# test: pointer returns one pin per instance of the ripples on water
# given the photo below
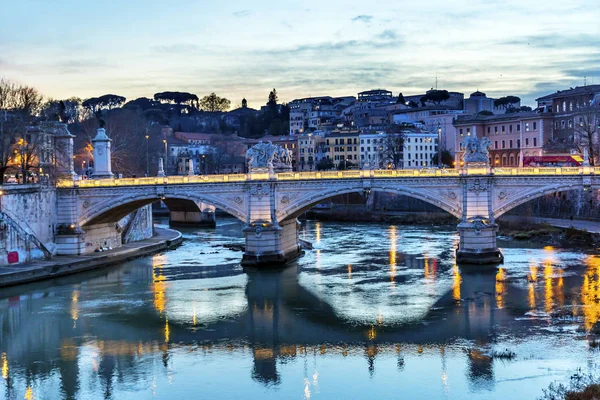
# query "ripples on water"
(373, 311)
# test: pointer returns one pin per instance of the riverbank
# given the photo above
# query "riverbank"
(164, 239)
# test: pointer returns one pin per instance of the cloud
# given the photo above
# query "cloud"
(177, 48)
(363, 18)
(388, 34)
(242, 13)
(556, 41)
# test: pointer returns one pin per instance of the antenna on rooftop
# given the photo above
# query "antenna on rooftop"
(436, 82)
(585, 81)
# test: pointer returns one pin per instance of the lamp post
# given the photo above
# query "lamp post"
(439, 146)
(166, 156)
(83, 168)
(147, 162)
(203, 164)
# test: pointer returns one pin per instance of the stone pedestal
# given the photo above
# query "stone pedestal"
(478, 242)
(102, 161)
(268, 245)
(63, 150)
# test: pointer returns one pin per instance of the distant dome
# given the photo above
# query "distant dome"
(478, 94)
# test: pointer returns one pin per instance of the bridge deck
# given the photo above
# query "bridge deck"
(350, 174)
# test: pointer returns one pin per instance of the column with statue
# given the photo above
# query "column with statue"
(477, 227)
(268, 241)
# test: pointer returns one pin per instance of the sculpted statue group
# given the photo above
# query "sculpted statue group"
(263, 157)
(476, 150)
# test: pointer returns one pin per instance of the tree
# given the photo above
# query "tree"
(107, 101)
(587, 123)
(435, 96)
(272, 102)
(506, 102)
(400, 99)
(510, 110)
(19, 107)
(325, 164)
(344, 165)
(214, 103)
(390, 150)
(485, 113)
(143, 103)
(183, 100)
(447, 159)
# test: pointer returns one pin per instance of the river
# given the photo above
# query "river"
(373, 311)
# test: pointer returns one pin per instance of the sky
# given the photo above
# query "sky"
(302, 48)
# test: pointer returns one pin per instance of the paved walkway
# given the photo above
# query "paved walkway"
(590, 226)
(65, 265)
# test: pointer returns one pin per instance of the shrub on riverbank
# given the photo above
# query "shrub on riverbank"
(580, 387)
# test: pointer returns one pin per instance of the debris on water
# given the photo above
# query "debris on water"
(505, 354)
(235, 247)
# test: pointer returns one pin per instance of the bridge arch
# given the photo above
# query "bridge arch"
(532, 194)
(112, 209)
(298, 206)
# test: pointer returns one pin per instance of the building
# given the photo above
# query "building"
(419, 149)
(478, 102)
(376, 96)
(569, 108)
(316, 113)
(307, 149)
(372, 154)
(236, 118)
(344, 148)
(512, 136)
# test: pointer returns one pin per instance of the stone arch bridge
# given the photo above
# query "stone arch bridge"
(269, 204)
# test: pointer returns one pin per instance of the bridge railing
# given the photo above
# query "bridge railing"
(348, 174)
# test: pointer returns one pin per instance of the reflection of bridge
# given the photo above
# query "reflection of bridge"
(280, 319)
(270, 203)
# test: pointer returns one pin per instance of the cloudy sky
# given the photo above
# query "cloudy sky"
(301, 47)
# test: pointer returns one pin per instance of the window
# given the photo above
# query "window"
(570, 123)
(489, 129)
(354, 140)
(362, 156)
(362, 149)
(526, 142)
(534, 142)
(518, 127)
(337, 141)
(510, 144)
(495, 129)
(510, 128)
(534, 126)
(495, 144)
(504, 144)
(468, 131)
(526, 126)
(519, 143)
(460, 131)
(562, 124)
(564, 106)
(570, 106)
(503, 129)
(368, 141)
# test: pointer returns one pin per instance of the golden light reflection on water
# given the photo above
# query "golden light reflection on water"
(167, 331)
(548, 287)
(75, 307)
(393, 236)
(456, 280)
(500, 288)
(590, 292)
(4, 366)
(318, 232)
(29, 393)
(159, 285)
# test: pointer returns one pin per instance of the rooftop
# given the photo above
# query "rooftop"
(571, 92)
(499, 117)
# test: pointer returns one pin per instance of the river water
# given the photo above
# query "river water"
(373, 311)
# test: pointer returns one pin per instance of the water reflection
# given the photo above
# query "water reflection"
(149, 327)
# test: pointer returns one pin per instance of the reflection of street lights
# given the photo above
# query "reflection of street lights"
(147, 164)
(83, 167)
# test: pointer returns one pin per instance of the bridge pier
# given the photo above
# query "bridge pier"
(478, 242)
(270, 245)
(477, 228)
